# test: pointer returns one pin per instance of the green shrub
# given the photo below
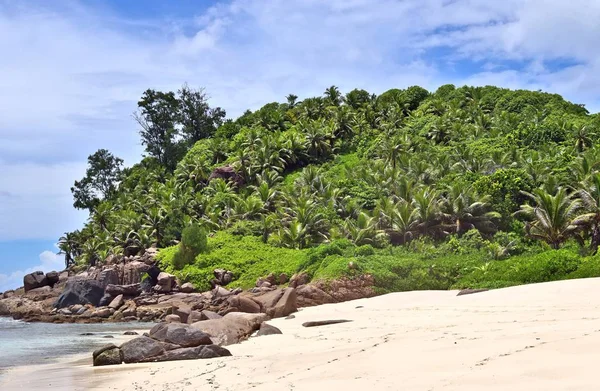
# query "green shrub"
(193, 242)
(364, 251)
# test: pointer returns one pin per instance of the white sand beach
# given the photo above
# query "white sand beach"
(534, 337)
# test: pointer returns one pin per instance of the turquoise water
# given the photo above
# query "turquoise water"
(24, 343)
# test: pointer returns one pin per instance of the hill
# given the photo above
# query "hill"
(461, 187)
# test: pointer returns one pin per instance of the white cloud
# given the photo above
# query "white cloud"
(71, 77)
(49, 261)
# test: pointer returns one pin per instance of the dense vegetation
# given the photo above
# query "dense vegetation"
(463, 187)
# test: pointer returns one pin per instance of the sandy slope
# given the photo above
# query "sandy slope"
(535, 337)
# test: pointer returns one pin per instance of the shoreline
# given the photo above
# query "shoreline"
(539, 336)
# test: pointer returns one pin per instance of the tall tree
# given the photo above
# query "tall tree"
(100, 182)
(198, 119)
(158, 116)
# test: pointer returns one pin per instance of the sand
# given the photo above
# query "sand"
(535, 337)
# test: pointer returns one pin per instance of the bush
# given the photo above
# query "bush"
(364, 251)
(193, 242)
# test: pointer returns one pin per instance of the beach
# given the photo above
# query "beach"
(534, 337)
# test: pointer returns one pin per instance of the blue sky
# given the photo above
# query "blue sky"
(71, 72)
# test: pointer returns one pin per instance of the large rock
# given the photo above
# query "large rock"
(34, 280)
(179, 334)
(232, 328)
(286, 305)
(310, 295)
(52, 278)
(199, 352)
(267, 329)
(164, 283)
(132, 272)
(243, 304)
(183, 311)
(78, 291)
(108, 277)
(268, 300)
(188, 287)
(141, 349)
(125, 290)
(107, 355)
(117, 302)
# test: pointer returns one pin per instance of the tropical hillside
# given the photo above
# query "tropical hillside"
(457, 188)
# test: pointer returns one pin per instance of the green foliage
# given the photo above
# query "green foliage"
(193, 242)
(100, 182)
(463, 187)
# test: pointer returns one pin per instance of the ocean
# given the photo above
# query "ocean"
(23, 343)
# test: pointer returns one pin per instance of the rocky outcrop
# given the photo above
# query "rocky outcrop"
(80, 291)
(108, 276)
(34, 280)
(232, 328)
(165, 342)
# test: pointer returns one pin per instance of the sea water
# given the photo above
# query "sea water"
(23, 343)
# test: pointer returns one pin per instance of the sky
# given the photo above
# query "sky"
(71, 73)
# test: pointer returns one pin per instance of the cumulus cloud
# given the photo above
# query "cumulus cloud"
(48, 261)
(71, 76)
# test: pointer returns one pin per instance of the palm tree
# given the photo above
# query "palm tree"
(333, 95)
(69, 245)
(552, 217)
(363, 230)
(465, 210)
(583, 138)
(590, 219)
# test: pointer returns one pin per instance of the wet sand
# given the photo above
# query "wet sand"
(534, 337)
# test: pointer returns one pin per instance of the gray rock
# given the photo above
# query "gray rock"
(79, 291)
(188, 287)
(117, 302)
(232, 328)
(34, 280)
(52, 278)
(286, 304)
(108, 277)
(131, 333)
(101, 350)
(141, 349)
(179, 334)
(125, 290)
(244, 304)
(165, 283)
(199, 352)
(267, 329)
(111, 356)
